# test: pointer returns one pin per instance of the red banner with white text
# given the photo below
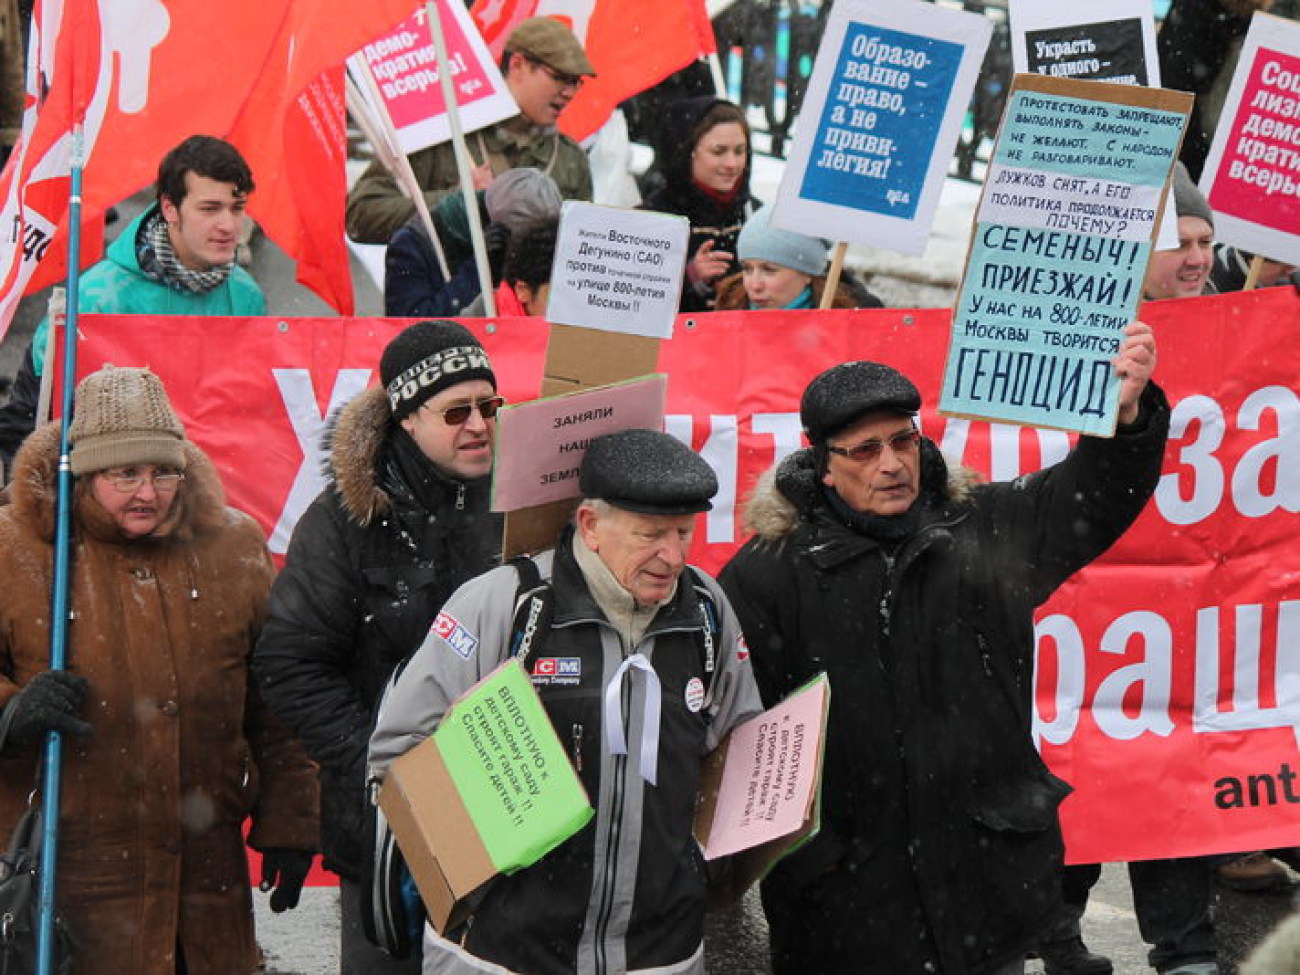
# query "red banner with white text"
(1169, 672)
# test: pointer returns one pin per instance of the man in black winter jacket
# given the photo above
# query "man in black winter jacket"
(914, 590)
(371, 562)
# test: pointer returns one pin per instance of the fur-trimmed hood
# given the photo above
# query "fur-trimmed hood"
(358, 442)
(1278, 954)
(355, 441)
(791, 490)
(200, 505)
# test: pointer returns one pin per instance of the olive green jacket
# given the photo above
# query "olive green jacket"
(377, 207)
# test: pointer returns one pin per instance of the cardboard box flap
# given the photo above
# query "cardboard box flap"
(426, 815)
(760, 793)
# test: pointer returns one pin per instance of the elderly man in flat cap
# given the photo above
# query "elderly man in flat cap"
(914, 590)
(544, 66)
(656, 673)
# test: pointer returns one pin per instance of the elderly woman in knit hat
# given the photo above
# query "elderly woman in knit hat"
(784, 270)
(167, 748)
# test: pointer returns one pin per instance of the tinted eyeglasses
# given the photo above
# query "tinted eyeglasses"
(869, 450)
(455, 416)
(127, 480)
(573, 81)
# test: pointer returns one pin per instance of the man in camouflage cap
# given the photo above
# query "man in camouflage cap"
(544, 66)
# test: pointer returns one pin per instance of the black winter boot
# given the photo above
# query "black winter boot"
(1070, 956)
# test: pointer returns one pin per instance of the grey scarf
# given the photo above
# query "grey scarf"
(158, 261)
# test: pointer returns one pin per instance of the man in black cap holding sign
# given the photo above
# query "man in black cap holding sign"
(402, 524)
(544, 66)
(640, 664)
(914, 590)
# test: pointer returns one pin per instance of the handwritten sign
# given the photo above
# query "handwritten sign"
(880, 122)
(542, 442)
(1104, 40)
(770, 778)
(1109, 40)
(405, 69)
(1062, 238)
(1253, 169)
(618, 270)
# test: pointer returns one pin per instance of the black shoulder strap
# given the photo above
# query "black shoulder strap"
(534, 607)
(712, 632)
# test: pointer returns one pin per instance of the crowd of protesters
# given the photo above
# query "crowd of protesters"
(203, 693)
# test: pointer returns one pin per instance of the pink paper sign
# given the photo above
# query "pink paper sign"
(405, 69)
(770, 773)
(540, 444)
(1257, 178)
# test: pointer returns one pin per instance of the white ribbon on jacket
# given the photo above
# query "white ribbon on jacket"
(614, 715)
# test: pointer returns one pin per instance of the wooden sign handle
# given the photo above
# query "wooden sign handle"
(833, 275)
(1252, 276)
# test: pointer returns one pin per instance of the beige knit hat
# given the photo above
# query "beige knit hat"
(121, 418)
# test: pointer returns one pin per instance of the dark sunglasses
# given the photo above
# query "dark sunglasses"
(455, 416)
(869, 450)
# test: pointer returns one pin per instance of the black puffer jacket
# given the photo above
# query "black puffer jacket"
(368, 568)
(709, 220)
(940, 844)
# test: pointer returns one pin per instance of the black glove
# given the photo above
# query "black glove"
(283, 873)
(48, 703)
(496, 241)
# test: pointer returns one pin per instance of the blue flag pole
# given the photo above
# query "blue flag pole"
(51, 776)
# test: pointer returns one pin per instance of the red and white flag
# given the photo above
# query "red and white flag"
(632, 44)
(140, 76)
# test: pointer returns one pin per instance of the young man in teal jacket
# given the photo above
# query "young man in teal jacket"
(176, 258)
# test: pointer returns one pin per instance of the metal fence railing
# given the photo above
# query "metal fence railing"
(767, 48)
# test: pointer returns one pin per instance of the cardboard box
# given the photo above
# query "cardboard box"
(576, 358)
(491, 791)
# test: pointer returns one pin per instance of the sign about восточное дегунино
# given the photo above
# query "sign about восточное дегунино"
(1060, 247)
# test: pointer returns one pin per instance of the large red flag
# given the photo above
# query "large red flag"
(141, 75)
(632, 44)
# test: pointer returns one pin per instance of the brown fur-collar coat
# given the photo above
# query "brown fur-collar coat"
(182, 752)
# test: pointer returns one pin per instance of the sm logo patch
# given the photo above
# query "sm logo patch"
(557, 670)
(461, 640)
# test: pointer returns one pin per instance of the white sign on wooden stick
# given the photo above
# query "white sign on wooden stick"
(618, 270)
(405, 70)
(880, 122)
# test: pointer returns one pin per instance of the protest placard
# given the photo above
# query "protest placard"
(1106, 40)
(405, 70)
(762, 786)
(1252, 174)
(618, 270)
(491, 791)
(1059, 252)
(1109, 40)
(880, 121)
(540, 444)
